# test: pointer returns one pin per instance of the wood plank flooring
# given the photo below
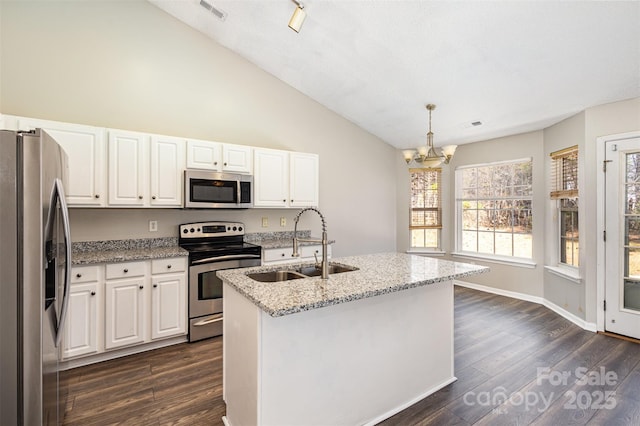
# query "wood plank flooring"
(500, 345)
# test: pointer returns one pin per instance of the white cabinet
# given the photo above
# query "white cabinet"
(128, 171)
(81, 328)
(304, 179)
(125, 304)
(285, 179)
(271, 178)
(219, 157)
(85, 148)
(167, 165)
(283, 255)
(168, 298)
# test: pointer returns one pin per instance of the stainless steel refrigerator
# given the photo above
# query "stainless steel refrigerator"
(35, 264)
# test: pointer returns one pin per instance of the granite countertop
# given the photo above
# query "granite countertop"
(94, 252)
(378, 274)
(280, 239)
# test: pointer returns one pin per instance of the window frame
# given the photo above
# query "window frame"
(498, 258)
(565, 189)
(438, 227)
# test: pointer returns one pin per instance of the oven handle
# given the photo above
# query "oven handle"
(209, 320)
(227, 257)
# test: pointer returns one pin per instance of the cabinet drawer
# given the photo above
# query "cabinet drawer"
(308, 251)
(84, 274)
(274, 255)
(174, 264)
(125, 270)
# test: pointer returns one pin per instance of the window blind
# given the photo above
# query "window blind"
(564, 173)
(426, 205)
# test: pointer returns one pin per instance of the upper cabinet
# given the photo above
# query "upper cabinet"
(219, 157)
(86, 155)
(167, 166)
(285, 179)
(128, 168)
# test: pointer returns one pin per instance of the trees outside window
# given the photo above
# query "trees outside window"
(426, 208)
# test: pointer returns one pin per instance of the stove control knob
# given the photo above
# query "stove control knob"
(185, 231)
(192, 230)
(228, 228)
(235, 228)
(240, 228)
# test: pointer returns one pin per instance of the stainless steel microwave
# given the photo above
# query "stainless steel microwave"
(214, 190)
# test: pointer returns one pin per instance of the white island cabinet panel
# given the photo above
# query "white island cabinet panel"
(397, 349)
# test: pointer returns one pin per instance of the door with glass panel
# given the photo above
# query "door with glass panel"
(622, 220)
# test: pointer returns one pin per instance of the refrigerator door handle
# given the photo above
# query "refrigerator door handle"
(67, 259)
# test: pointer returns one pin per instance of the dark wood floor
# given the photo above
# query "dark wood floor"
(501, 345)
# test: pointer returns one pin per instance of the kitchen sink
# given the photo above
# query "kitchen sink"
(295, 274)
(312, 271)
(276, 276)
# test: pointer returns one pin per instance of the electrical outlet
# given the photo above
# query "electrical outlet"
(283, 221)
(153, 226)
(265, 222)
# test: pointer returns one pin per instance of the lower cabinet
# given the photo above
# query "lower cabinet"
(275, 256)
(125, 304)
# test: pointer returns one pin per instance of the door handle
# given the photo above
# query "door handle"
(209, 320)
(58, 194)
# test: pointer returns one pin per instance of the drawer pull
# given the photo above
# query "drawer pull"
(126, 270)
(141, 287)
(155, 286)
(225, 164)
(169, 266)
(93, 293)
(153, 197)
(97, 195)
(282, 255)
(140, 197)
(78, 275)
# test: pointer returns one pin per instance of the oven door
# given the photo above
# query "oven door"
(205, 293)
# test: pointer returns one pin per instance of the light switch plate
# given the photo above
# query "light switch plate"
(283, 221)
(265, 222)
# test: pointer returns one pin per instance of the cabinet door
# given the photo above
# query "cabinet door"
(168, 305)
(204, 155)
(127, 168)
(81, 325)
(236, 158)
(271, 178)
(85, 150)
(167, 166)
(304, 184)
(125, 312)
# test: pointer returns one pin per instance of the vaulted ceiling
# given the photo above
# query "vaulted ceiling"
(514, 66)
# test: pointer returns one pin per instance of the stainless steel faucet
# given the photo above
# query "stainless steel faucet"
(325, 263)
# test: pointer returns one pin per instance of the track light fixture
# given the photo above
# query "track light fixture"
(297, 19)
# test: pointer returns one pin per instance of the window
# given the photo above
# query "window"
(426, 210)
(493, 209)
(564, 178)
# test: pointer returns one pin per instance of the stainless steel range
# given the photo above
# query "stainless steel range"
(212, 246)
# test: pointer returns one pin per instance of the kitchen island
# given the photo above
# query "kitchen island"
(354, 349)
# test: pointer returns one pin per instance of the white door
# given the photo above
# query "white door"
(204, 155)
(167, 166)
(236, 158)
(271, 178)
(127, 168)
(303, 186)
(622, 224)
(168, 301)
(81, 329)
(124, 312)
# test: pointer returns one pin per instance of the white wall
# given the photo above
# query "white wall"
(129, 65)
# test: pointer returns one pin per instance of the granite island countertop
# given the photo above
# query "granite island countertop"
(279, 239)
(111, 251)
(377, 274)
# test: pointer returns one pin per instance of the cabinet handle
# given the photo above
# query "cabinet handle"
(155, 286)
(225, 164)
(284, 201)
(282, 254)
(97, 195)
(215, 163)
(78, 275)
(153, 198)
(93, 293)
(169, 266)
(141, 287)
(126, 270)
(292, 201)
(140, 197)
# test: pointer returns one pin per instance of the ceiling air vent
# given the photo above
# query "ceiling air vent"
(221, 15)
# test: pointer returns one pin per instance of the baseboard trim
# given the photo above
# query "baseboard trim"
(589, 326)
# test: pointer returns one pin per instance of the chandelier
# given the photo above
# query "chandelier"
(426, 155)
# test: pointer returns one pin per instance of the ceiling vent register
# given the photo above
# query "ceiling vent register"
(215, 11)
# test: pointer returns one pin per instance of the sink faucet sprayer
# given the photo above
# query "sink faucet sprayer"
(325, 263)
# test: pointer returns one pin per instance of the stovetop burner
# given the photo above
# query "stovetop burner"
(211, 239)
